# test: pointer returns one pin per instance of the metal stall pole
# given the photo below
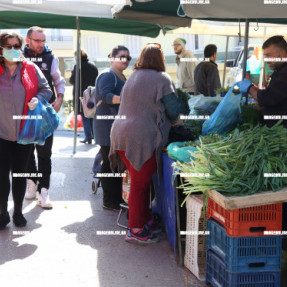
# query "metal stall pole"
(225, 59)
(262, 68)
(77, 85)
(245, 55)
(245, 48)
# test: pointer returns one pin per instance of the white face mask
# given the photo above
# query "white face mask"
(11, 55)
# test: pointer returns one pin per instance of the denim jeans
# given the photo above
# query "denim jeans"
(88, 127)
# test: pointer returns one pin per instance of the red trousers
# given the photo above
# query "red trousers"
(139, 197)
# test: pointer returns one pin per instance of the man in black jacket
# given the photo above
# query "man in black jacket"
(206, 75)
(273, 99)
(89, 73)
(37, 52)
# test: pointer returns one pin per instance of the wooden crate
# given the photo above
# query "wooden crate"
(263, 198)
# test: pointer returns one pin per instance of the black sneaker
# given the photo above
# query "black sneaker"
(4, 220)
(19, 220)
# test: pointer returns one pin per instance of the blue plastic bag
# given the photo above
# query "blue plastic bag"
(178, 151)
(225, 117)
(39, 125)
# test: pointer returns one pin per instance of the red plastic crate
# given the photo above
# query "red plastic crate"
(250, 221)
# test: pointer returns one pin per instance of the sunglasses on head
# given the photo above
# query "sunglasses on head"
(155, 44)
(9, 47)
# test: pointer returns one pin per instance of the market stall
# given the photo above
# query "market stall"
(239, 166)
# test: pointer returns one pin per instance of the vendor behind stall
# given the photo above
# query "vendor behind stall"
(273, 99)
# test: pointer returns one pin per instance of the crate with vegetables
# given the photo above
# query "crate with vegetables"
(235, 157)
(237, 163)
(213, 115)
(237, 152)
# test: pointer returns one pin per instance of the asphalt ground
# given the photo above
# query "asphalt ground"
(65, 246)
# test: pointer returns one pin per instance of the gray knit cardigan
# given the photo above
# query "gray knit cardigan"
(145, 126)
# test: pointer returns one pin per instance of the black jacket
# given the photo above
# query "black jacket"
(88, 78)
(206, 79)
(274, 98)
(44, 62)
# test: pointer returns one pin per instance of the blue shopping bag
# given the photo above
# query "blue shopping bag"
(225, 117)
(39, 125)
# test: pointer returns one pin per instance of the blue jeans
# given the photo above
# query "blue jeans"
(88, 127)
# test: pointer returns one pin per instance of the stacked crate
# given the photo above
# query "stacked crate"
(239, 253)
(195, 244)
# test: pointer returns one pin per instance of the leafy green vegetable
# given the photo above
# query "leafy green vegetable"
(250, 115)
(250, 118)
(221, 90)
(210, 139)
(194, 126)
(236, 164)
(183, 102)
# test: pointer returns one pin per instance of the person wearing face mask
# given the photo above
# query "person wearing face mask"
(22, 85)
(37, 51)
(108, 88)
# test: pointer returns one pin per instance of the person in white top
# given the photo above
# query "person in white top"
(186, 63)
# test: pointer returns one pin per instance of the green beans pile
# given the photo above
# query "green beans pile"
(236, 164)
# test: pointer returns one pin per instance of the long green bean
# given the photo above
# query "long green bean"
(237, 163)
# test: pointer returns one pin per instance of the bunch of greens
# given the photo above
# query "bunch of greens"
(194, 126)
(236, 164)
(221, 90)
(183, 102)
(210, 139)
(250, 115)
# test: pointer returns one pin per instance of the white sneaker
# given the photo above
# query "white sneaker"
(30, 189)
(43, 199)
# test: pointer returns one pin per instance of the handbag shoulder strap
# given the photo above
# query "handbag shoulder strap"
(115, 76)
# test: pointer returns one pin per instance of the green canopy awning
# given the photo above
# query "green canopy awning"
(11, 19)
(161, 12)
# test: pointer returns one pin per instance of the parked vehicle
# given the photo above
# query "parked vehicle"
(253, 66)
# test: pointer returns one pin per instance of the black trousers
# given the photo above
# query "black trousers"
(44, 153)
(13, 158)
(112, 186)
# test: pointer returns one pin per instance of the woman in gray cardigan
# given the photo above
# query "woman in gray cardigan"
(148, 104)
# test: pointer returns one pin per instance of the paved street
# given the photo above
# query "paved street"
(62, 247)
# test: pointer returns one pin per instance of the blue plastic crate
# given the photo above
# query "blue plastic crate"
(218, 276)
(244, 254)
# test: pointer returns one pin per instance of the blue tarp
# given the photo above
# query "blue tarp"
(164, 203)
